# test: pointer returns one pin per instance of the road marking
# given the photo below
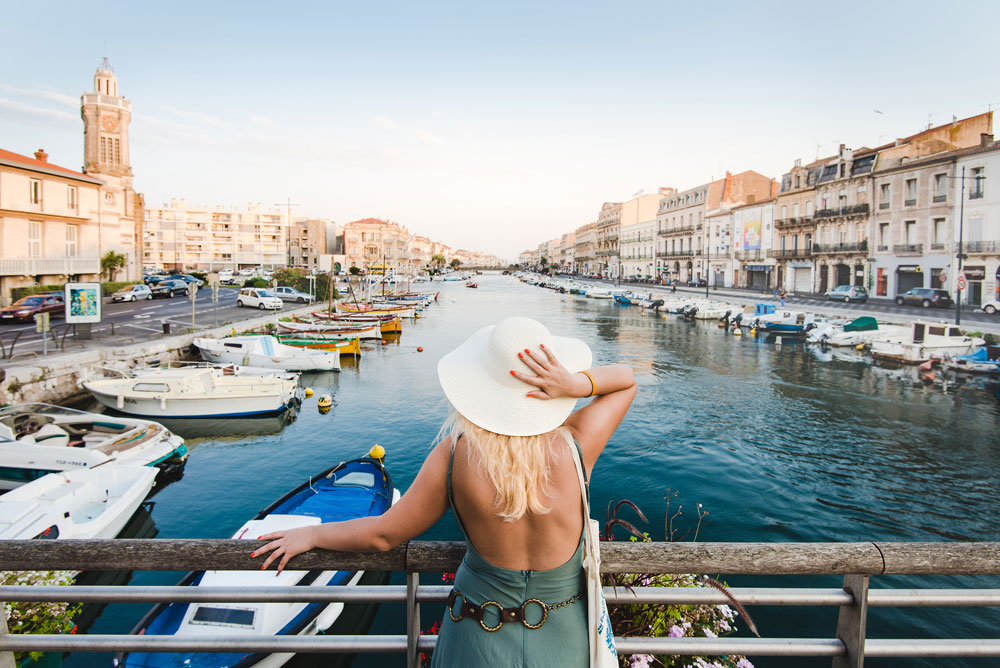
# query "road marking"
(148, 315)
(152, 308)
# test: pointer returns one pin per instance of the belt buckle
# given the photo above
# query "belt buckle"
(524, 615)
(451, 604)
(482, 616)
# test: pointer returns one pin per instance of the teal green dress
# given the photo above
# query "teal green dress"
(561, 641)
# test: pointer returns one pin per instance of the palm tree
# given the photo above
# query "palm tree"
(456, 263)
(111, 263)
(438, 260)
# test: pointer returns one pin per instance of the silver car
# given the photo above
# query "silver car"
(292, 295)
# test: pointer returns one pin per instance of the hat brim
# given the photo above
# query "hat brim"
(505, 408)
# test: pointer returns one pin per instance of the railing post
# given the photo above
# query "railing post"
(852, 623)
(412, 621)
(6, 658)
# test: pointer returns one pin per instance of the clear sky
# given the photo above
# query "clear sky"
(488, 126)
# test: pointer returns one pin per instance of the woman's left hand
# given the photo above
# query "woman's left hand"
(551, 378)
(285, 545)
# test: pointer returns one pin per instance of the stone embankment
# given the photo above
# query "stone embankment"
(55, 379)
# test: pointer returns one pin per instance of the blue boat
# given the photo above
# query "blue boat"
(986, 359)
(352, 489)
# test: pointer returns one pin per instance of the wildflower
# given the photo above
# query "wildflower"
(709, 633)
(686, 625)
(744, 663)
(726, 611)
(675, 632)
(723, 625)
(640, 660)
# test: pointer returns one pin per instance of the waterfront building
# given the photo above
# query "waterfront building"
(795, 227)
(375, 245)
(567, 251)
(586, 240)
(915, 219)
(639, 209)
(636, 241)
(50, 223)
(721, 247)
(188, 238)
(980, 225)
(548, 252)
(308, 240)
(528, 258)
(106, 156)
(606, 248)
(753, 223)
(680, 226)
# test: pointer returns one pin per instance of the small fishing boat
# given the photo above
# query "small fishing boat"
(92, 502)
(374, 309)
(264, 350)
(194, 393)
(388, 324)
(370, 331)
(357, 488)
(325, 342)
(599, 293)
(470, 284)
(786, 323)
(924, 341)
(38, 439)
(985, 359)
(859, 331)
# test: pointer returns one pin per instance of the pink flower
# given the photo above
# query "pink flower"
(744, 663)
(675, 632)
(708, 633)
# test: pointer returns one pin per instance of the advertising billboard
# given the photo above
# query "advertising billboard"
(83, 302)
(751, 233)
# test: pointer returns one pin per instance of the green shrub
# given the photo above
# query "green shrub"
(201, 276)
(354, 270)
(255, 282)
(108, 289)
(17, 293)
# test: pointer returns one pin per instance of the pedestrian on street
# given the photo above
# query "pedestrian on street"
(781, 296)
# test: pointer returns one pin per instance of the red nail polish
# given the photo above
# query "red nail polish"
(262, 567)
(541, 346)
(520, 354)
(253, 554)
(512, 372)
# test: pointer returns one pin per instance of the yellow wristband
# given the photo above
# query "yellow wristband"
(593, 385)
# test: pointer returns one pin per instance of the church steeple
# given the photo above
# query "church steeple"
(106, 117)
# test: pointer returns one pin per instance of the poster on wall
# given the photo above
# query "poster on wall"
(83, 303)
(751, 234)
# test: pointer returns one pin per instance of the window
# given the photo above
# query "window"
(34, 238)
(883, 235)
(797, 178)
(911, 232)
(71, 241)
(883, 202)
(784, 212)
(809, 208)
(911, 192)
(795, 210)
(940, 232)
(940, 183)
(977, 190)
(104, 149)
(117, 155)
(71, 197)
(35, 191)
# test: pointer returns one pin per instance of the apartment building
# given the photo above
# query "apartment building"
(795, 227)
(754, 267)
(979, 220)
(586, 241)
(309, 239)
(606, 248)
(188, 238)
(636, 247)
(375, 245)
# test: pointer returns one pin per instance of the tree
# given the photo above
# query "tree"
(111, 263)
(456, 263)
(438, 260)
(354, 270)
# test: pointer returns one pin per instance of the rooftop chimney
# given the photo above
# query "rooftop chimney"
(41, 155)
(985, 138)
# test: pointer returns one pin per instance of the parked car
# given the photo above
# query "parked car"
(169, 288)
(991, 307)
(292, 295)
(187, 278)
(258, 297)
(697, 283)
(848, 293)
(153, 279)
(132, 293)
(25, 308)
(926, 297)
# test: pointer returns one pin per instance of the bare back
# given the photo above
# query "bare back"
(533, 542)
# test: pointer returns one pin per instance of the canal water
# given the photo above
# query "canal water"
(777, 443)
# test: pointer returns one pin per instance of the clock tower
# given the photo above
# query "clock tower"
(106, 117)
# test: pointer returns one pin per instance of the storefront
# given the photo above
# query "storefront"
(801, 275)
(908, 276)
(757, 276)
(974, 276)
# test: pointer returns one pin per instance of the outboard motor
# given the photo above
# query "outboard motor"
(656, 304)
(724, 320)
(737, 320)
(811, 326)
(689, 314)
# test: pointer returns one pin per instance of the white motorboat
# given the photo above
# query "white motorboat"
(599, 293)
(857, 332)
(39, 439)
(84, 503)
(194, 393)
(924, 341)
(263, 350)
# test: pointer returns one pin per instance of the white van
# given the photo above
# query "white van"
(258, 297)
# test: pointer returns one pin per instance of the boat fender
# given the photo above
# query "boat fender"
(163, 403)
(309, 391)
(120, 403)
(324, 401)
(737, 331)
(860, 347)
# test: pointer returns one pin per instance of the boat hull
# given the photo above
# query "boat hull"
(196, 407)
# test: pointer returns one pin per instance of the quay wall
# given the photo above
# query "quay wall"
(55, 379)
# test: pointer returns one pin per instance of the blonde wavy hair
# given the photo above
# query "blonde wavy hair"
(516, 466)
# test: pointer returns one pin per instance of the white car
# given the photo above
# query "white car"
(258, 297)
(132, 293)
(991, 307)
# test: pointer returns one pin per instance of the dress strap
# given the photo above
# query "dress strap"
(451, 496)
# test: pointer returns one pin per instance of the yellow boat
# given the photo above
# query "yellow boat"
(345, 346)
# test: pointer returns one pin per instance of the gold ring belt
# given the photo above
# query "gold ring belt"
(506, 615)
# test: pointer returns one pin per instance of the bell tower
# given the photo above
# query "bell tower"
(106, 117)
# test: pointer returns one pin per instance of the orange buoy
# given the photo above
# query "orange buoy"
(420, 349)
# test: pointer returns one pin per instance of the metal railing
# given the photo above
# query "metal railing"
(861, 246)
(855, 210)
(857, 562)
(58, 266)
(981, 247)
(908, 249)
(668, 231)
(790, 252)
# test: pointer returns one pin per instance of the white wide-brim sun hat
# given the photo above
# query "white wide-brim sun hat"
(476, 377)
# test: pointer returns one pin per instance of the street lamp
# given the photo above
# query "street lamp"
(960, 255)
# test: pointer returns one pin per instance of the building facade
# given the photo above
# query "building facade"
(308, 240)
(795, 227)
(636, 244)
(979, 220)
(586, 241)
(753, 226)
(606, 248)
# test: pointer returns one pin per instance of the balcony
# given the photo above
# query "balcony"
(750, 255)
(940, 198)
(981, 247)
(60, 266)
(908, 249)
(882, 249)
(687, 229)
(856, 210)
(883, 205)
(719, 256)
(682, 253)
(783, 223)
(786, 253)
(939, 247)
(860, 247)
(910, 202)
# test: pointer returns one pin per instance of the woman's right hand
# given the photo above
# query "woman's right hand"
(551, 378)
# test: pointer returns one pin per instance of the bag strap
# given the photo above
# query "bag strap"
(451, 497)
(577, 454)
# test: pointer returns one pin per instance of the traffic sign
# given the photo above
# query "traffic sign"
(943, 276)
(961, 282)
